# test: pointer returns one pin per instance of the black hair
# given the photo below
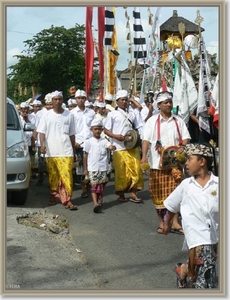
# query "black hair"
(209, 161)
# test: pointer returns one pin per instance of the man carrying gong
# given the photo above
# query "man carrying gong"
(126, 157)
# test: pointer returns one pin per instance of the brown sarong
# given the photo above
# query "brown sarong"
(161, 185)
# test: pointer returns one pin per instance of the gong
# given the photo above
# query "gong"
(132, 139)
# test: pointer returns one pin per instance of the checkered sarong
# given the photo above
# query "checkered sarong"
(161, 185)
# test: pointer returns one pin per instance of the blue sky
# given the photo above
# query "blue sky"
(24, 22)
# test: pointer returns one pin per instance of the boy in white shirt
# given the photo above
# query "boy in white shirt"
(197, 200)
(96, 163)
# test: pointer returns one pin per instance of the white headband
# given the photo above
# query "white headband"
(56, 94)
(36, 102)
(48, 98)
(109, 97)
(72, 101)
(121, 94)
(80, 93)
(96, 122)
(100, 104)
(162, 96)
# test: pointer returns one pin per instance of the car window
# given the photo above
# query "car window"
(12, 118)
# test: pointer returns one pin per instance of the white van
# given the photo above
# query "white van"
(18, 159)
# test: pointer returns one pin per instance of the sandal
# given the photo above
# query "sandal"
(97, 209)
(84, 195)
(160, 230)
(177, 230)
(52, 201)
(71, 207)
(55, 195)
(181, 283)
(135, 200)
(122, 199)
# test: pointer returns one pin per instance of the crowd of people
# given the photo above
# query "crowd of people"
(93, 139)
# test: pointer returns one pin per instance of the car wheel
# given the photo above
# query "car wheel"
(19, 197)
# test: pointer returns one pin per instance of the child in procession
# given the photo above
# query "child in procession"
(197, 199)
(96, 163)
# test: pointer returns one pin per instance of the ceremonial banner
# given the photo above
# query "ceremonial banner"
(118, 84)
(204, 90)
(109, 29)
(89, 50)
(177, 87)
(152, 50)
(101, 32)
(214, 103)
(112, 49)
(185, 92)
(139, 40)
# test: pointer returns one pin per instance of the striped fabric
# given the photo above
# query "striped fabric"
(204, 89)
(161, 185)
(139, 40)
(109, 27)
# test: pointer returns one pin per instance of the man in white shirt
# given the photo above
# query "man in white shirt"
(149, 107)
(108, 102)
(126, 162)
(26, 117)
(161, 131)
(57, 138)
(83, 117)
(41, 161)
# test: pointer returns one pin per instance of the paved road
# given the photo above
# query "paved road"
(117, 250)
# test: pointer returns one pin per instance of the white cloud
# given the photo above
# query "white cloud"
(212, 47)
(11, 60)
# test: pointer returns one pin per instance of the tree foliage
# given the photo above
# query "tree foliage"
(53, 60)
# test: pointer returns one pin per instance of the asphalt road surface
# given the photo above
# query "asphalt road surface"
(118, 250)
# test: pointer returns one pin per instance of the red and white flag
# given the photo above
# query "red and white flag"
(89, 49)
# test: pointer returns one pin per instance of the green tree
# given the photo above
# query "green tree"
(53, 60)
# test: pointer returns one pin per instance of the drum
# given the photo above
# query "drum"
(132, 139)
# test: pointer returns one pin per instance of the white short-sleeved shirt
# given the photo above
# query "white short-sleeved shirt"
(97, 153)
(199, 208)
(117, 121)
(137, 112)
(28, 134)
(38, 117)
(82, 121)
(109, 106)
(145, 111)
(57, 129)
(168, 135)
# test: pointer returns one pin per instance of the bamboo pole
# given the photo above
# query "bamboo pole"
(105, 70)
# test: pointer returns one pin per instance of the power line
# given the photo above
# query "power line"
(20, 32)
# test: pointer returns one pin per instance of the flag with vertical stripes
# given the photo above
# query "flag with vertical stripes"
(109, 29)
(112, 61)
(139, 41)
